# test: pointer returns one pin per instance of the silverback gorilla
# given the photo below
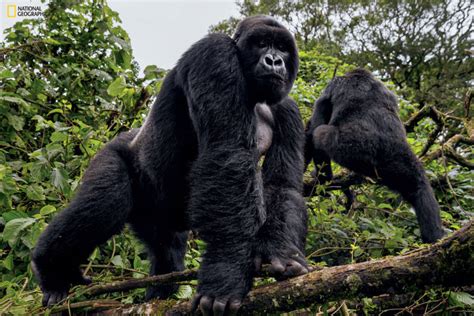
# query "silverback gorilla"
(194, 165)
(356, 124)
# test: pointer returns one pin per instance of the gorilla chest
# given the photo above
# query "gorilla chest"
(264, 131)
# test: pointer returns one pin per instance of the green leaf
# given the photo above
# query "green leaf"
(461, 299)
(13, 229)
(47, 209)
(6, 74)
(30, 239)
(385, 205)
(35, 192)
(17, 122)
(16, 100)
(8, 262)
(58, 137)
(116, 87)
(152, 72)
(117, 261)
(150, 69)
(59, 178)
(11, 215)
(100, 74)
(52, 41)
(184, 292)
(55, 111)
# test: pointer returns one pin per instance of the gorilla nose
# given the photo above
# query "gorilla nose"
(273, 62)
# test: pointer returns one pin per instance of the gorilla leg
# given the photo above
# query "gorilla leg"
(427, 212)
(405, 174)
(166, 259)
(98, 211)
(349, 146)
(166, 250)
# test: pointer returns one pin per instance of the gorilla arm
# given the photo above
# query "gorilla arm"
(226, 202)
(322, 162)
(281, 240)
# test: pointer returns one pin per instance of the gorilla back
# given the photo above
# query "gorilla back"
(194, 165)
(356, 124)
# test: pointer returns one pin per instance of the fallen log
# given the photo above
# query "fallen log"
(450, 262)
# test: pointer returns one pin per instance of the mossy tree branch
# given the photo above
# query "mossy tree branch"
(446, 263)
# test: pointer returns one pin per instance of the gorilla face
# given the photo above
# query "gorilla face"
(268, 56)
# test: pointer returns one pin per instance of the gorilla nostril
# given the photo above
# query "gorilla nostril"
(269, 60)
(278, 61)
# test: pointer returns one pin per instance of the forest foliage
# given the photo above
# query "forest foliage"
(69, 84)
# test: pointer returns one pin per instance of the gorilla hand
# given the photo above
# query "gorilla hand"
(53, 297)
(284, 263)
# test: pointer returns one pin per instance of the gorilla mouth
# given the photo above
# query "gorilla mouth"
(272, 77)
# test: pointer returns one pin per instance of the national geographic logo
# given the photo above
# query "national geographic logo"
(24, 11)
(11, 11)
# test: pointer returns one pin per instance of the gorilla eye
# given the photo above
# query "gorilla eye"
(261, 43)
(281, 46)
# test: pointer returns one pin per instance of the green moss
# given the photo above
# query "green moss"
(354, 282)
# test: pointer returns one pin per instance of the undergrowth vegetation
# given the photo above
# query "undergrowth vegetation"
(69, 84)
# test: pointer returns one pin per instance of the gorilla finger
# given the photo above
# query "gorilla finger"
(301, 260)
(195, 302)
(303, 265)
(294, 268)
(234, 306)
(276, 266)
(206, 305)
(219, 307)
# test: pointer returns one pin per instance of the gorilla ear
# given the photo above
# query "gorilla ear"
(236, 36)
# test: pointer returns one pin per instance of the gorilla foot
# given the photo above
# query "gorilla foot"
(217, 306)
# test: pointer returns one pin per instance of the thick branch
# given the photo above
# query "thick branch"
(415, 118)
(448, 148)
(447, 263)
(127, 285)
(131, 284)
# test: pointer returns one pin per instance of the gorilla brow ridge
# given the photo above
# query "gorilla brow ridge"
(250, 23)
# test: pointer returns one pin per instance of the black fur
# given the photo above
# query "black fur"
(194, 165)
(356, 124)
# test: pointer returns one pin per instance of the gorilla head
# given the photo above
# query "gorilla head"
(268, 56)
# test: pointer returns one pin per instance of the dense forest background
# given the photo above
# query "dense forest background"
(69, 84)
